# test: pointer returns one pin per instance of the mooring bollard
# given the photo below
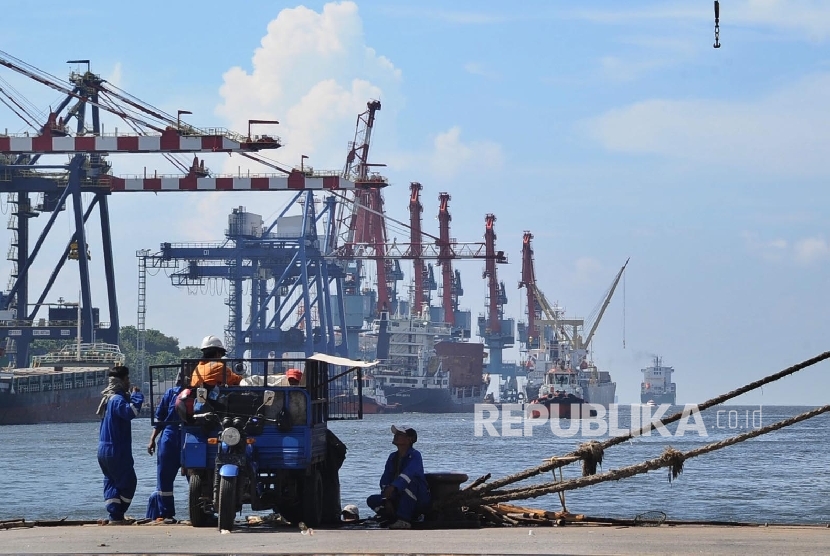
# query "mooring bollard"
(441, 486)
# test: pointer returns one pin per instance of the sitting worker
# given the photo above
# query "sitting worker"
(209, 371)
(404, 491)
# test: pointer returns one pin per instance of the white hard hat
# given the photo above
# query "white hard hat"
(211, 342)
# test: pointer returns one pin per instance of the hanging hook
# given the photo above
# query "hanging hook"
(717, 25)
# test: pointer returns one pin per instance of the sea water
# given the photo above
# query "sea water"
(51, 471)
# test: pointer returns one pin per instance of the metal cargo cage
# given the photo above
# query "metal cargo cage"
(333, 385)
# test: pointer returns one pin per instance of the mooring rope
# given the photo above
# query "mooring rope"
(670, 458)
(591, 452)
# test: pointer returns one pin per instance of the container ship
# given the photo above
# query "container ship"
(60, 387)
(657, 386)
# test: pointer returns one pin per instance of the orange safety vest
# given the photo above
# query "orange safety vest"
(211, 373)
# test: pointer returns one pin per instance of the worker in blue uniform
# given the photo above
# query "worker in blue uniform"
(120, 404)
(404, 491)
(161, 505)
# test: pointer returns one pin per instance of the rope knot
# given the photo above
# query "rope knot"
(591, 455)
(674, 460)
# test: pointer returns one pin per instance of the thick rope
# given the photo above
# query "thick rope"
(670, 458)
(583, 451)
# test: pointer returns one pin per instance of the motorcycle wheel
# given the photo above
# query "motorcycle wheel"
(313, 499)
(198, 516)
(227, 502)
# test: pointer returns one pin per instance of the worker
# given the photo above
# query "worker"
(294, 376)
(404, 491)
(120, 404)
(209, 371)
(161, 505)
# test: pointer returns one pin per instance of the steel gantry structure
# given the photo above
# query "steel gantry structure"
(284, 266)
(88, 171)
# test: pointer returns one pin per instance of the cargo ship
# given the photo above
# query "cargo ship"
(424, 370)
(60, 387)
(657, 386)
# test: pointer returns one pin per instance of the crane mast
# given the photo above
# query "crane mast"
(445, 256)
(528, 281)
(420, 270)
(494, 307)
(367, 223)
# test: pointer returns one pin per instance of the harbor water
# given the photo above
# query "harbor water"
(51, 471)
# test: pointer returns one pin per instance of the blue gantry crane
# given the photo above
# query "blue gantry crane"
(290, 308)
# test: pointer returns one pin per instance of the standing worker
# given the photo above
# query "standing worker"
(119, 406)
(161, 505)
(404, 491)
(210, 372)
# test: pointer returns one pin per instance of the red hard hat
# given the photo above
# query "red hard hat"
(296, 374)
(184, 404)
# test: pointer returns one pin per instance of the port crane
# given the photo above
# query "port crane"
(496, 331)
(88, 171)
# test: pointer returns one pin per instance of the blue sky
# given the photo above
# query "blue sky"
(609, 130)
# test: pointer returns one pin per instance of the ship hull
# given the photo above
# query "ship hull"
(76, 405)
(601, 394)
(562, 407)
(431, 400)
(658, 399)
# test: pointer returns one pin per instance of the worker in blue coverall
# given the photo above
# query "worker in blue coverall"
(120, 404)
(161, 505)
(404, 491)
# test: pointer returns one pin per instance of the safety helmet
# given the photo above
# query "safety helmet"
(184, 404)
(211, 342)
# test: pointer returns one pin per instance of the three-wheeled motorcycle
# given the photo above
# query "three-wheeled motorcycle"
(265, 442)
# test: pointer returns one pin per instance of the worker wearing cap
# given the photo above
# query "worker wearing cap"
(404, 491)
(120, 404)
(210, 372)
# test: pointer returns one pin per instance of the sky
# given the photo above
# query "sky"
(609, 130)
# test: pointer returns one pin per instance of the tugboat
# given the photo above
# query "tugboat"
(559, 394)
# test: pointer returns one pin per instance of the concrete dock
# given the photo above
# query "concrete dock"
(183, 539)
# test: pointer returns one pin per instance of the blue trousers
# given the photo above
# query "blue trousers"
(119, 483)
(168, 461)
(409, 504)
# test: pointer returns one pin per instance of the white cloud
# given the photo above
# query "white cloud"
(805, 251)
(811, 249)
(775, 250)
(449, 156)
(314, 73)
(786, 132)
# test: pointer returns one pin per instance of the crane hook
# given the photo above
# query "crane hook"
(717, 25)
